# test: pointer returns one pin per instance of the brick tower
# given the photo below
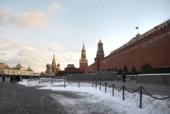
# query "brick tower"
(83, 60)
(99, 55)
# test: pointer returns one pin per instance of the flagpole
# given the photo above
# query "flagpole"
(137, 29)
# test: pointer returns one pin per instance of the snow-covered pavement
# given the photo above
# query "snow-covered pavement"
(88, 100)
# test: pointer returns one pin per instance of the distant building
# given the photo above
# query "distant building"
(52, 68)
(71, 69)
(18, 70)
(83, 64)
(3, 66)
(96, 66)
(48, 68)
(83, 60)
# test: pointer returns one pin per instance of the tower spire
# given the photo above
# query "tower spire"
(100, 48)
(53, 56)
(83, 48)
(83, 59)
(54, 65)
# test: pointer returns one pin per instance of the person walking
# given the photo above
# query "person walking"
(124, 77)
(11, 79)
(3, 78)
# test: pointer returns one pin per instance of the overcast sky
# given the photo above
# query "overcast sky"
(31, 31)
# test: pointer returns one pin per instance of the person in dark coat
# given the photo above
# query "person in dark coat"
(11, 79)
(3, 79)
(124, 77)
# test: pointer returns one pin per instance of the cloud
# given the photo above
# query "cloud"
(13, 53)
(52, 8)
(25, 52)
(2, 17)
(30, 19)
(34, 19)
(30, 56)
(8, 45)
(91, 1)
(2, 32)
(2, 53)
(6, 18)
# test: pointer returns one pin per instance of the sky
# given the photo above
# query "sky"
(31, 31)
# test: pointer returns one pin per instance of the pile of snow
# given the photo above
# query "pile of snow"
(93, 100)
(42, 82)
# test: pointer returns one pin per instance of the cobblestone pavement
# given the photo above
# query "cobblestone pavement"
(17, 99)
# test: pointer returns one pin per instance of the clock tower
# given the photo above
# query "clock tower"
(83, 60)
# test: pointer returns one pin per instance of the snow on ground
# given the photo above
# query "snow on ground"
(94, 101)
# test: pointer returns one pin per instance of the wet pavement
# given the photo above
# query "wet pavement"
(17, 99)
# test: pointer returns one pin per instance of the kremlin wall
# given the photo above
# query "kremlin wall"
(149, 50)
(144, 52)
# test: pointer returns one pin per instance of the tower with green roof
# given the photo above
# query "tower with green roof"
(99, 55)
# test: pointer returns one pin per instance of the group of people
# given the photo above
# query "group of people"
(12, 78)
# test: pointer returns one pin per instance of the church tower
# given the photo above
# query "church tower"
(54, 65)
(99, 55)
(83, 60)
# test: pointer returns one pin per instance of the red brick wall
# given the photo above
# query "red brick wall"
(83, 66)
(152, 48)
(156, 53)
(91, 68)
